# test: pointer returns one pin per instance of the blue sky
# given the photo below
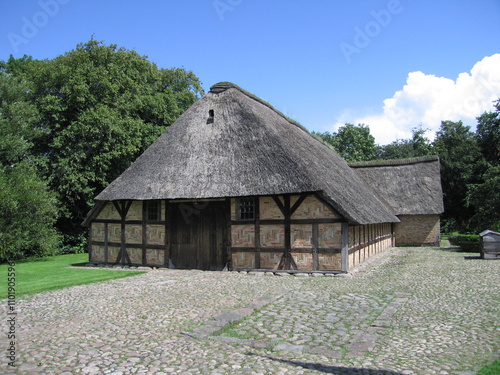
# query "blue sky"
(391, 64)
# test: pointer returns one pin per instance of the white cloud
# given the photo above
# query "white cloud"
(428, 100)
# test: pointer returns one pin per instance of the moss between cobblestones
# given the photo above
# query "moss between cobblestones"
(231, 330)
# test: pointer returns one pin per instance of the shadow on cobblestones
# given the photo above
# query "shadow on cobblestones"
(328, 369)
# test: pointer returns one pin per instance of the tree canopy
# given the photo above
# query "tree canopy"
(90, 113)
(417, 145)
(488, 135)
(100, 107)
(483, 196)
(461, 165)
(353, 143)
(28, 209)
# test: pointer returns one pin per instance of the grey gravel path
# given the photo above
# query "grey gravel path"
(407, 311)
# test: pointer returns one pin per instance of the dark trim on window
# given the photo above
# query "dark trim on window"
(152, 211)
(246, 209)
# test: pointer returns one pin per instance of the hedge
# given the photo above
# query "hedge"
(469, 243)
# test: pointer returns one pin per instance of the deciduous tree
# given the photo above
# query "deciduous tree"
(28, 210)
(100, 107)
(462, 164)
(484, 196)
(488, 135)
(418, 145)
(353, 143)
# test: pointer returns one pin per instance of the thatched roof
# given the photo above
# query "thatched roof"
(231, 144)
(409, 186)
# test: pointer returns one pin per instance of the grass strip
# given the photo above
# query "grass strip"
(493, 369)
(53, 273)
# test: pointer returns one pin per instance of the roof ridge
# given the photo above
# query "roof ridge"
(395, 162)
(226, 85)
(223, 86)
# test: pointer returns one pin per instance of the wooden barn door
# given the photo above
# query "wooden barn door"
(198, 235)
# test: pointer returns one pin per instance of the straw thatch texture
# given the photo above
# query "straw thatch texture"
(409, 186)
(246, 148)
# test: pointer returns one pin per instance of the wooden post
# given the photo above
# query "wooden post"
(315, 244)
(229, 238)
(106, 239)
(144, 231)
(257, 233)
(288, 263)
(345, 247)
(167, 238)
(122, 207)
(89, 244)
(393, 238)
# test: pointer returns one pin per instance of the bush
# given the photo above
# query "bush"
(467, 242)
(74, 245)
(449, 225)
(28, 211)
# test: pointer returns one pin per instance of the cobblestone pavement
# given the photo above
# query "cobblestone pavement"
(405, 311)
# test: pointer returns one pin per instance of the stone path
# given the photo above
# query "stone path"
(407, 311)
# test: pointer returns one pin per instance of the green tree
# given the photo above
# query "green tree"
(484, 196)
(418, 145)
(28, 210)
(462, 164)
(485, 199)
(488, 135)
(16, 67)
(100, 107)
(353, 143)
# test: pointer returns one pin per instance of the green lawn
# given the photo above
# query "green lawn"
(52, 273)
(493, 369)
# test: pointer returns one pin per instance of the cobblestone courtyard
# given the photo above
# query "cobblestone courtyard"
(406, 311)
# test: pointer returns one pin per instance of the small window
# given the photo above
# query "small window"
(247, 209)
(153, 211)
(210, 119)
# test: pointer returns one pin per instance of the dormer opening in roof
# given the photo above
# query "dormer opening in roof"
(210, 119)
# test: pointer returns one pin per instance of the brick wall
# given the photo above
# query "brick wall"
(418, 230)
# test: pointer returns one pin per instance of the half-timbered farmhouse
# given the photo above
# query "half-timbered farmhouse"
(234, 184)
